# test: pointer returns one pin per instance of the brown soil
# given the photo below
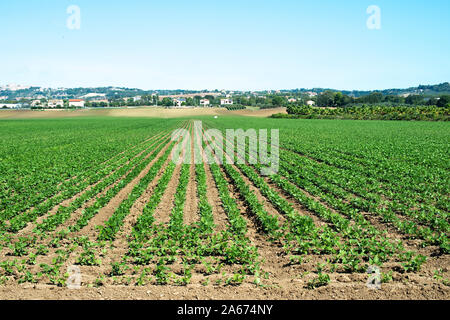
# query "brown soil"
(191, 205)
(342, 290)
(153, 112)
(164, 209)
(212, 193)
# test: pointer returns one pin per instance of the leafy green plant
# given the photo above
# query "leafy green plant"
(321, 280)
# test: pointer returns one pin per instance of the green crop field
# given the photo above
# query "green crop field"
(353, 204)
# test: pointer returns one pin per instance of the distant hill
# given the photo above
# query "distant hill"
(429, 90)
(117, 92)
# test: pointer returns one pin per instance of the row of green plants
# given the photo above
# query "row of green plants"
(34, 247)
(345, 187)
(114, 223)
(395, 174)
(361, 230)
(396, 195)
(34, 172)
(101, 178)
(368, 112)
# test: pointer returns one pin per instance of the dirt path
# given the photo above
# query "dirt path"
(163, 211)
(190, 211)
(212, 193)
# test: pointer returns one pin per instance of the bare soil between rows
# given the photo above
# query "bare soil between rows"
(292, 291)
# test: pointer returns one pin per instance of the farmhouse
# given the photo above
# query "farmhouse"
(76, 103)
(204, 102)
(55, 103)
(179, 102)
(226, 101)
(35, 103)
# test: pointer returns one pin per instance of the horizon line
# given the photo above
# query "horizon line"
(226, 89)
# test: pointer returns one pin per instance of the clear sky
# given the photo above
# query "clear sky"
(226, 44)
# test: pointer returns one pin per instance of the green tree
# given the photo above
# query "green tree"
(326, 99)
(190, 102)
(414, 99)
(374, 97)
(167, 102)
(444, 101)
(277, 101)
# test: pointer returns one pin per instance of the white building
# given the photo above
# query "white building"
(179, 102)
(310, 103)
(78, 103)
(224, 102)
(55, 103)
(35, 103)
(204, 102)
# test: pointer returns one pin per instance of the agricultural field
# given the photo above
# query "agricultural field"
(357, 210)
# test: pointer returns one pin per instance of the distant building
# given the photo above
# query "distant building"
(179, 102)
(291, 100)
(78, 103)
(310, 103)
(225, 102)
(204, 102)
(35, 103)
(55, 103)
(137, 98)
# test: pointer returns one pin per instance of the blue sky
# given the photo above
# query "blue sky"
(211, 44)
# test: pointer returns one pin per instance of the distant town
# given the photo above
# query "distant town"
(28, 97)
